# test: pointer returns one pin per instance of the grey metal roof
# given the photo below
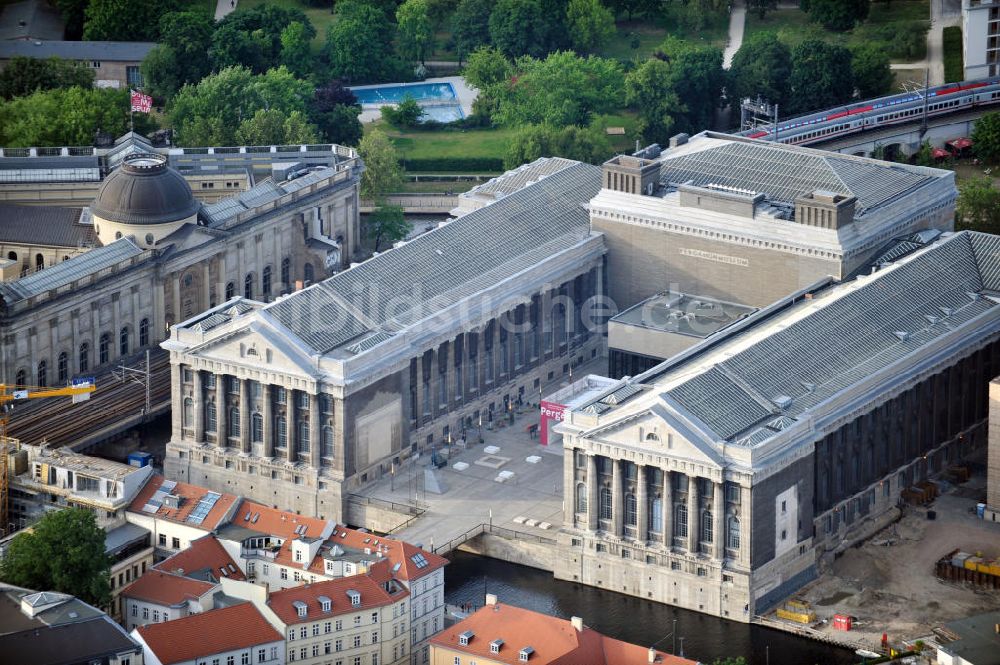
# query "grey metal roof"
(220, 212)
(783, 173)
(93, 51)
(440, 268)
(31, 19)
(69, 271)
(44, 225)
(978, 641)
(513, 180)
(890, 316)
(144, 190)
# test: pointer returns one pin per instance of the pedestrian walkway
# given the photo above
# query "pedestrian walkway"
(737, 23)
(224, 7)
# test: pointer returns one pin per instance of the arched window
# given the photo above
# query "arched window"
(327, 441)
(256, 427)
(652, 436)
(63, 367)
(84, 359)
(630, 510)
(265, 281)
(21, 379)
(187, 419)
(248, 286)
(303, 436)
(282, 426)
(234, 421)
(605, 512)
(12, 256)
(581, 497)
(706, 527)
(144, 332)
(286, 271)
(681, 521)
(308, 273)
(230, 290)
(123, 347)
(733, 534)
(104, 351)
(39, 262)
(656, 515)
(43, 372)
(210, 417)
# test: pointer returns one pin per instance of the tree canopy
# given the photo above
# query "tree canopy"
(253, 37)
(66, 116)
(415, 35)
(986, 138)
(647, 89)
(590, 24)
(519, 27)
(359, 44)
(388, 224)
(23, 76)
(762, 66)
(383, 173)
(296, 52)
(586, 144)
(64, 552)
(334, 110)
(821, 76)
(181, 56)
(125, 20)
(563, 89)
(837, 15)
(978, 206)
(870, 67)
(470, 25)
(210, 112)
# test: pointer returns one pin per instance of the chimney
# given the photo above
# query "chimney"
(577, 623)
(491, 599)
(652, 655)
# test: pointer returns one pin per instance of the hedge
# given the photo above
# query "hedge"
(454, 164)
(954, 69)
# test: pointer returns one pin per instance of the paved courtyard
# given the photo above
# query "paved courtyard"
(526, 501)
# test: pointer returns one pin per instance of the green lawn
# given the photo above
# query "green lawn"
(320, 18)
(431, 144)
(954, 69)
(793, 26)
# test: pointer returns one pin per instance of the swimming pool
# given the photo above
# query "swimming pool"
(439, 101)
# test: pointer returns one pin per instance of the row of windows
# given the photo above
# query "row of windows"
(308, 273)
(83, 358)
(257, 427)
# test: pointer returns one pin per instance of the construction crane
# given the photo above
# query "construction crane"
(79, 390)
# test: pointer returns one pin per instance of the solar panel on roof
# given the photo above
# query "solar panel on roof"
(204, 507)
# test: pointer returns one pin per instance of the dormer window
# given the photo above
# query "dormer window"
(525, 654)
(324, 603)
(300, 608)
(355, 597)
(495, 646)
(466, 637)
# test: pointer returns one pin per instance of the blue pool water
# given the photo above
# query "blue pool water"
(438, 100)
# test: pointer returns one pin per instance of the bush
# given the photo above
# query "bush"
(902, 40)
(405, 114)
(454, 164)
(954, 68)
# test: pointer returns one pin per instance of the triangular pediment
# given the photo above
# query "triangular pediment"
(258, 346)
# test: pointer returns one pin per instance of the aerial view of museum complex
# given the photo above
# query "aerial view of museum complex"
(469, 332)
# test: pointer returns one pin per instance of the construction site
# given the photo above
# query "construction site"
(937, 561)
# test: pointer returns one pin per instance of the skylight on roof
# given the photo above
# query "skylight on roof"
(203, 508)
(419, 560)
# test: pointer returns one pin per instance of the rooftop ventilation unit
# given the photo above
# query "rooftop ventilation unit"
(902, 335)
(782, 401)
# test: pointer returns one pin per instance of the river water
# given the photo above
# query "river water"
(706, 638)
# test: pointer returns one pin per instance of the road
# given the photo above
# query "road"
(737, 22)
(223, 7)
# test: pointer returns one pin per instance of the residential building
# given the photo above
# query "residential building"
(115, 64)
(980, 38)
(717, 480)
(236, 635)
(49, 628)
(131, 552)
(360, 620)
(500, 634)
(159, 596)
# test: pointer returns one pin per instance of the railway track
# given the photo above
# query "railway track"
(113, 407)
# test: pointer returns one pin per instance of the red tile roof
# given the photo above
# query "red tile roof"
(200, 635)
(372, 595)
(555, 641)
(276, 522)
(190, 495)
(204, 554)
(162, 588)
(395, 551)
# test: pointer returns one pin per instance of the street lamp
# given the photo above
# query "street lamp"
(674, 634)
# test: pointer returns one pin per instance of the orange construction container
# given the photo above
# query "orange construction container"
(842, 621)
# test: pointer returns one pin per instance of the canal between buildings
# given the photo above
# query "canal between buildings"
(705, 638)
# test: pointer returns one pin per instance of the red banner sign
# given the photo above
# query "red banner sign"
(141, 103)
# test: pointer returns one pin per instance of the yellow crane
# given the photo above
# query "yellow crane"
(79, 390)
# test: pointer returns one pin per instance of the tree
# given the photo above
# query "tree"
(296, 54)
(634, 8)
(334, 110)
(986, 138)
(189, 34)
(125, 20)
(487, 67)
(270, 127)
(470, 26)
(405, 114)
(590, 24)
(387, 222)
(648, 90)
(415, 35)
(563, 89)
(839, 15)
(978, 207)
(382, 171)
(821, 76)
(210, 112)
(161, 72)
(23, 76)
(732, 660)
(870, 68)
(72, 12)
(762, 66)
(252, 37)
(762, 6)
(695, 76)
(358, 44)
(518, 27)
(66, 116)
(586, 144)
(64, 552)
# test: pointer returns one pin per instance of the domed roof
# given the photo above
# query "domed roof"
(144, 190)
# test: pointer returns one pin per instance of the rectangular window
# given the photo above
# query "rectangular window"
(176, 543)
